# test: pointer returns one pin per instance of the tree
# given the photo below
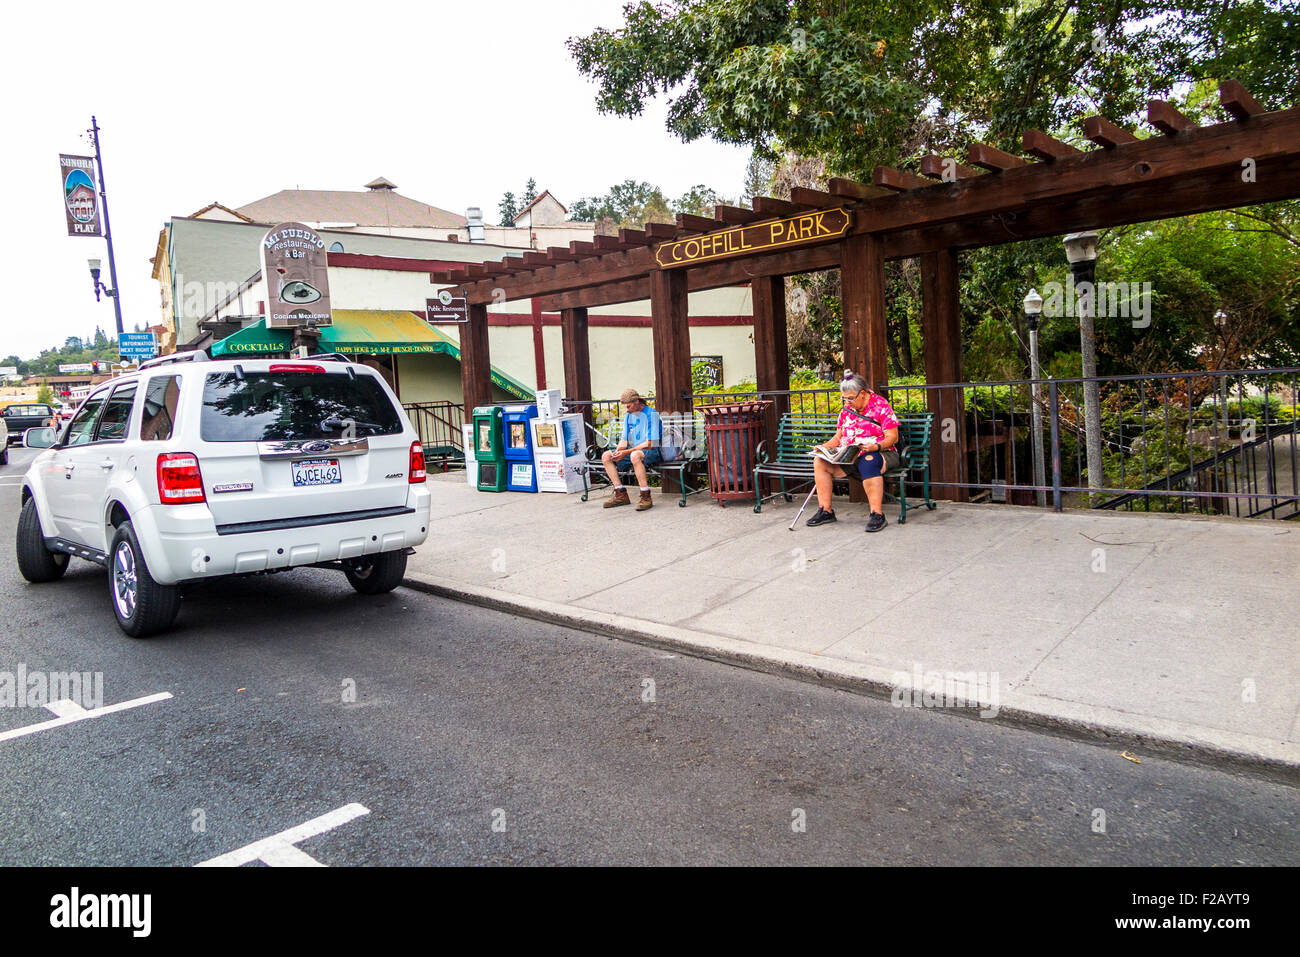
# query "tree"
(530, 193)
(508, 209)
(44, 394)
(630, 204)
(72, 344)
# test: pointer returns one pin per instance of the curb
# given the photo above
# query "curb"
(1222, 750)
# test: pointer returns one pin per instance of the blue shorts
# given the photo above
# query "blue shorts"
(876, 464)
(652, 457)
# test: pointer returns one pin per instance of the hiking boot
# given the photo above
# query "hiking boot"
(618, 498)
(876, 522)
(821, 517)
(644, 502)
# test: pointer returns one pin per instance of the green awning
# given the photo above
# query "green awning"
(361, 332)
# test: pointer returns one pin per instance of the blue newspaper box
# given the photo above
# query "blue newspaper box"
(521, 470)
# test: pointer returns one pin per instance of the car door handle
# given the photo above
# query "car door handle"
(67, 470)
(106, 464)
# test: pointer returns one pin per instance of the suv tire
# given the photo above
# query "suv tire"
(376, 574)
(36, 562)
(141, 605)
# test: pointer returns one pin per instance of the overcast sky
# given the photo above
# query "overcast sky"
(231, 101)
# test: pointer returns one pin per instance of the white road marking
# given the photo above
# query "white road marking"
(68, 716)
(278, 850)
(66, 708)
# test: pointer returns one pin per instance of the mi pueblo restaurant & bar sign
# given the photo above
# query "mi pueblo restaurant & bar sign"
(806, 228)
(296, 267)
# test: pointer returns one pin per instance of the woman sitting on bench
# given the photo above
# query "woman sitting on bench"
(868, 421)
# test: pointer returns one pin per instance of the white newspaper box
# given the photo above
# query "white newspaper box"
(557, 451)
(471, 463)
(548, 403)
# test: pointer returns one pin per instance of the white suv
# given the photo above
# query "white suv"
(190, 470)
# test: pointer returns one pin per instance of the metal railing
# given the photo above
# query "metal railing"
(439, 426)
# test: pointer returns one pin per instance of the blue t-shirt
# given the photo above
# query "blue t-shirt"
(643, 425)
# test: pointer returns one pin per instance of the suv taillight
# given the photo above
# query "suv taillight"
(179, 479)
(416, 471)
(295, 367)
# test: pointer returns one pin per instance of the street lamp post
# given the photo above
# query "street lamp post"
(1033, 307)
(108, 233)
(99, 286)
(1081, 251)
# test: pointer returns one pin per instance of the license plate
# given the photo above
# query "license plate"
(317, 472)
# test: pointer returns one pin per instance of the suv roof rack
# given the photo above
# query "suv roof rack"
(198, 355)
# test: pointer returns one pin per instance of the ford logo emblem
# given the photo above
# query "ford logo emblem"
(315, 446)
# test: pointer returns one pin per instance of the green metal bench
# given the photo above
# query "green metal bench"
(787, 459)
(692, 457)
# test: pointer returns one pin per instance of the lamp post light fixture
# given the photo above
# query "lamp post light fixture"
(99, 286)
(1081, 251)
(1033, 308)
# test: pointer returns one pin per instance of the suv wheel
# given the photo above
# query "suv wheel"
(142, 606)
(376, 574)
(36, 562)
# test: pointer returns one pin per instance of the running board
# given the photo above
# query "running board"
(72, 548)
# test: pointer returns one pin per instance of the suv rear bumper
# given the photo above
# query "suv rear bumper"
(181, 542)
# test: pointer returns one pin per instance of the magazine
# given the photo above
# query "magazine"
(843, 455)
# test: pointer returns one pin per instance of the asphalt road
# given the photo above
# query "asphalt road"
(476, 737)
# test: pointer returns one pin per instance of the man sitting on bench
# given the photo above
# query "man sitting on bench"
(867, 420)
(638, 442)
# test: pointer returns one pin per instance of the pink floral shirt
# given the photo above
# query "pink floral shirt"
(853, 427)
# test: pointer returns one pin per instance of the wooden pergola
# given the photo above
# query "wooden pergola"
(993, 198)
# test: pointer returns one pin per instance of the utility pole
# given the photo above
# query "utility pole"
(108, 233)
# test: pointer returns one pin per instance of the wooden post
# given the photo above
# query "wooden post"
(941, 328)
(671, 335)
(771, 345)
(862, 291)
(577, 357)
(475, 361)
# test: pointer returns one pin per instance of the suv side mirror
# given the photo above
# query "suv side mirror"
(39, 438)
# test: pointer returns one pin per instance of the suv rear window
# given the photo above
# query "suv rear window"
(271, 406)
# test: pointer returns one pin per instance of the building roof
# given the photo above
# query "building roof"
(544, 194)
(378, 205)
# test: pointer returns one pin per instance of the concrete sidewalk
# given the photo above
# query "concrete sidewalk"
(1174, 635)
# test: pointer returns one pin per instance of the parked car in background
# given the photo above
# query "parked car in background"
(190, 470)
(20, 417)
(4, 442)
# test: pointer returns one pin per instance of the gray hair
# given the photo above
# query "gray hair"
(852, 382)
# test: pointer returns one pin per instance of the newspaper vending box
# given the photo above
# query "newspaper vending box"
(557, 450)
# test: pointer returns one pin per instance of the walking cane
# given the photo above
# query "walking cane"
(802, 507)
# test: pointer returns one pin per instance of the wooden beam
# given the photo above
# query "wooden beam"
(991, 158)
(516, 264)
(1105, 133)
(577, 357)
(442, 276)
(1041, 146)
(633, 237)
(671, 338)
(803, 196)
(475, 359)
(735, 216)
(583, 250)
(661, 231)
(608, 244)
(476, 270)
(770, 206)
(558, 254)
(1167, 119)
(536, 259)
(697, 224)
(943, 168)
(771, 346)
(862, 288)
(941, 331)
(1234, 98)
(851, 189)
(898, 180)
